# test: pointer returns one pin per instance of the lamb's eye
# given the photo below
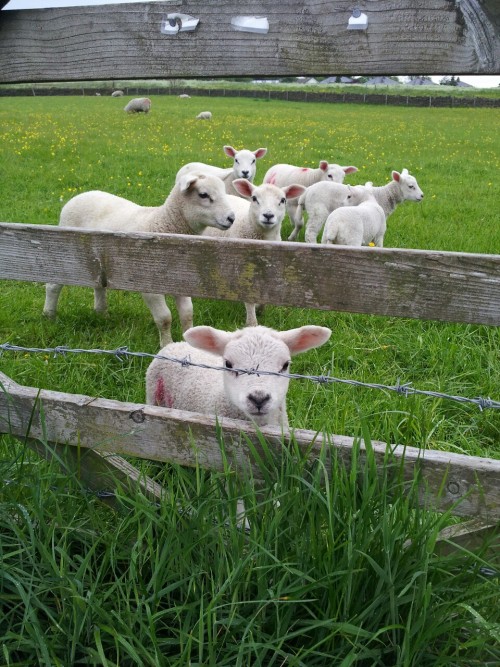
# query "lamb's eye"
(330, 176)
(236, 160)
(283, 200)
(286, 366)
(254, 198)
(412, 187)
(253, 161)
(203, 195)
(228, 364)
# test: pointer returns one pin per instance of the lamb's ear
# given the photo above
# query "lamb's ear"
(304, 338)
(404, 173)
(243, 186)
(294, 190)
(260, 152)
(350, 170)
(208, 339)
(187, 181)
(323, 165)
(396, 176)
(229, 151)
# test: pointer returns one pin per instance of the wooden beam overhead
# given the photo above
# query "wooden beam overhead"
(305, 37)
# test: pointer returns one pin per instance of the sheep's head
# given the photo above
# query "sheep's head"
(357, 194)
(267, 202)
(334, 172)
(205, 202)
(408, 184)
(244, 165)
(259, 396)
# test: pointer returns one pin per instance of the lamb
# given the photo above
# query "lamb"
(258, 218)
(196, 202)
(244, 166)
(117, 93)
(359, 223)
(138, 105)
(403, 187)
(184, 96)
(319, 200)
(204, 115)
(231, 393)
(285, 174)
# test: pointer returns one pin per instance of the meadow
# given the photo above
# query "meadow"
(325, 578)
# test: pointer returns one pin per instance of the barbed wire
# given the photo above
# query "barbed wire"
(121, 353)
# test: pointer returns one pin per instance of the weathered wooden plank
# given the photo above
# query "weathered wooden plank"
(471, 535)
(457, 287)
(186, 438)
(305, 37)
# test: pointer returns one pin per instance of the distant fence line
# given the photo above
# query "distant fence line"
(287, 95)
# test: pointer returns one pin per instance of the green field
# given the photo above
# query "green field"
(325, 580)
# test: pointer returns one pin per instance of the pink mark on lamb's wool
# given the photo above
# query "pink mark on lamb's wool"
(272, 178)
(305, 169)
(163, 397)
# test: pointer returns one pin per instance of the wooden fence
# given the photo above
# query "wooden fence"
(310, 37)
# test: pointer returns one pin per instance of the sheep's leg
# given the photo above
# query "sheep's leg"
(291, 208)
(52, 292)
(100, 302)
(185, 310)
(314, 224)
(161, 315)
(251, 315)
(379, 241)
(298, 226)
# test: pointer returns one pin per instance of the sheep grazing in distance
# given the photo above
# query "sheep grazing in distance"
(244, 166)
(403, 187)
(231, 393)
(361, 222)
(138, 105)
(285, 174)
(184, 96)
(319, 200)
(196, 202)
(258, 216)
(204, 115)
(117, 93)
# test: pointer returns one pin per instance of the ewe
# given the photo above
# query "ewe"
(204, 115)
(258, 218)
(244, 166)
(259, 398)
(359, 223)
(285, 174)
(196, 202)
(138, 105)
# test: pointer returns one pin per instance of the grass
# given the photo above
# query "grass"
(323, 578)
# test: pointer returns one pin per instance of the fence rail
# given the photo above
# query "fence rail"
(465, 485)
(445, 286)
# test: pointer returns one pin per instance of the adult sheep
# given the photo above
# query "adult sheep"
(196, 202)
(138, 105)
(260, 398)
(204, 115)
(258, 216)
(285, 174)
(244, 166)
(361, 222)
(117, 93)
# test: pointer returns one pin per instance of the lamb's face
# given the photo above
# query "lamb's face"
(206, 201)
(409, 186)
(245, 161)
(267, 202)
(358, 194)
(259, 397)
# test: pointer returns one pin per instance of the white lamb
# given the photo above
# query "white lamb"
(138, 105)
(361, 222)
(285, 174)
(259, 398)
(319, 200)
(204, 115)
(196, 202)
(244, 166)
(259, 216)
(403, 187)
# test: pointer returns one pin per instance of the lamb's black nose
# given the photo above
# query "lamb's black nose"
(259, 399)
